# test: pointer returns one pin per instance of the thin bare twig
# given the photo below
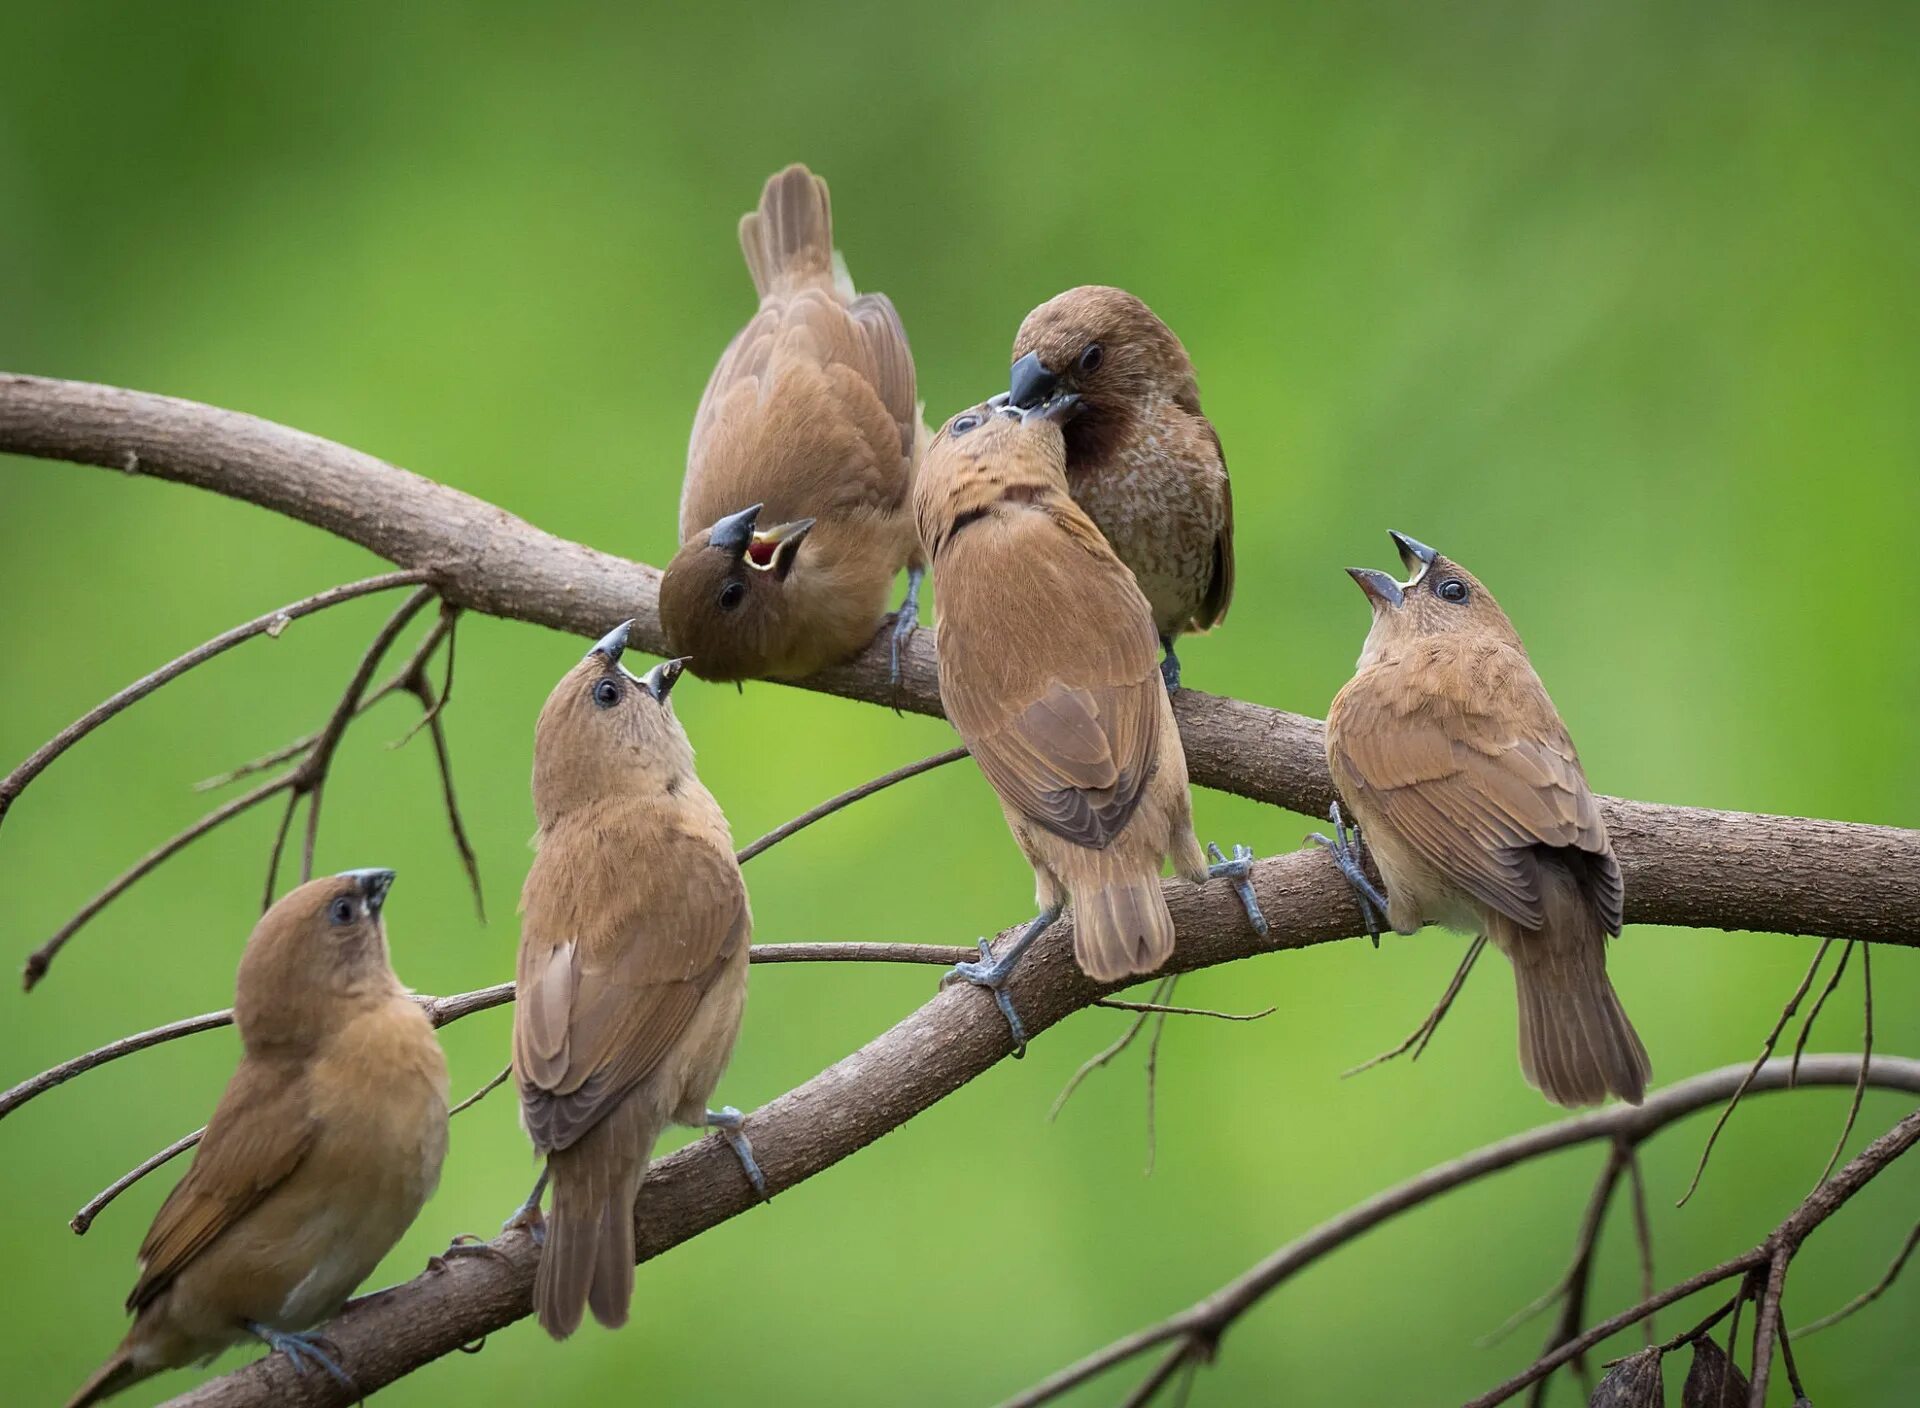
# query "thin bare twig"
(1121, 1043)
(483, 1092)
(1122, 1005)
(1866, 1054)
(1153, 1083)
(1869, 1296)
(1430, 1024)
(1813, 1013)
(847, 798)
(1643, 1225)
(1574, 1284)
(83, 1219)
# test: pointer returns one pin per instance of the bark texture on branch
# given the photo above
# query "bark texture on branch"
(1683, 865)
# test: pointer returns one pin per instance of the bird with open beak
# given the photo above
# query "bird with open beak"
(320, 1154)
(1142, 460)
(795, 514)
(1470, 797)
(1046, 653)
(632, 973)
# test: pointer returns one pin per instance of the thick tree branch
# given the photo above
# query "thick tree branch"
(1683, 865)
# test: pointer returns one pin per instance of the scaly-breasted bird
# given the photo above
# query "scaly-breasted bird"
(1467, 790)
(1142, 460)
(320, 1154)
(632, 972)
(1046, 650)
(810, 423)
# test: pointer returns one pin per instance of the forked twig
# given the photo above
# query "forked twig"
(1813, 1013)
(1423, 1033)
(1866, 1055)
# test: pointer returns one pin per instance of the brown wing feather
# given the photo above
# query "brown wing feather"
(1219, 595)
(258, 1135)
(597, 1013)
(1477, 784)
(1066, 726)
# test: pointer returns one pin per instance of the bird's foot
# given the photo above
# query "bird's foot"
(728, 1120)
(469, 1244)
(992, 974)
(1169, 665)
(905, 622)
(1350, 854)
(301, 1348)
(1240, 871)
(528, 1217)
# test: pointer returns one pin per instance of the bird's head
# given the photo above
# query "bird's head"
(606, 732)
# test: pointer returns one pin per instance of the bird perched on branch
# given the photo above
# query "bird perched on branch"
(1469, 794)
(1046, 650)
(632, 972)
(1142, 460)
(320, 1154)
(795, 515)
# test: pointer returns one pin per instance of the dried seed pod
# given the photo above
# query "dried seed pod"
(1714, 1381)
(1632, 1383)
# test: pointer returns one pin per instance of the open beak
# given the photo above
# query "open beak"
(1381, 589)
(659, 681)
(1058, 408)
(1417, 556)
(1030, 382)
(734, 532)
(773, 549)
(373, 884)
(612, 643)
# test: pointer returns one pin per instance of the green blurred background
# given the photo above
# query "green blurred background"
(1614, 303)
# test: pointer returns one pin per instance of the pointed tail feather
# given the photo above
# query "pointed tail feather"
(1576, 1044)
(788, 241)
(1122, 928)
(117, 1373)
(589, 1255)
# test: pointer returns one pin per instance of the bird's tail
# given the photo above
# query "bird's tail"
(1121, 927)
(588, 1259)
(1576, 1044)
(788, 241)
(117, 1373)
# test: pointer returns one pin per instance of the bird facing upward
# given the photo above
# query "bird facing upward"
(795, 513)
(1046, 652)
(632, 973)
(1142, 460)
(320, 1154)
(1468, 792)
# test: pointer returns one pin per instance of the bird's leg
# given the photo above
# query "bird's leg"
(469, 1244)
(1238, 870)
(528, 1214)
(1351, 856)
(992, 973)
(298, 1348)
(906, 619)
(727, 1120)
(1170, 666)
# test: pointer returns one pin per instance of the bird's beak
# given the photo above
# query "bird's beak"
(660, 679)
(1381, 589)
(734, 532)
(1030, 382)
(1417, 556)
(774, 549)
(612, 643)
(1057, 409)
(373, 884)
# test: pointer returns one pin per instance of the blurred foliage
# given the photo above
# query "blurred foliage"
(1614, 303)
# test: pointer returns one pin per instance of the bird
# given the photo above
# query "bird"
(1046, 665)
(324, 1147)
(632, 971)
(1142, 459)
(1469, 794)
(795, 514)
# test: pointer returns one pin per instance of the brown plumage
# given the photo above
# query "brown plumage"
(1046, 650)
(1470, 796)
(1142, 459)
(320, 1154)
(633, 966)
(810, 421)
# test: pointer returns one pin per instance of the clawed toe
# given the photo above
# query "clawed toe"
(1240, 871)
(1349, 854)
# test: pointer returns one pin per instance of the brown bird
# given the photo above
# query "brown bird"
(1142, 460)
(1459, 772)
(809, 421)
(1046, 650)
(632, 972)
(320, 1154)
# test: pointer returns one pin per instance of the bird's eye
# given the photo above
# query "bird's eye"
(1451, 589)
(964, 424)
(606, 692)
(1091, 359)
(341, 910)
(732, 594)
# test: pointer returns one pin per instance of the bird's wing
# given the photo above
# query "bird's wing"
(889, 363)
(1213, 606)
(597, 1011)
(1056, 692)
(259, 1133)
(1476, 777)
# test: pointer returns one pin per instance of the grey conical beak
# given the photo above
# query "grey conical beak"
(1381, 589)
(1030, 383)
(659, 681)
(613, 642)
(373, 884)
(735, 531)
(1415, 554)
